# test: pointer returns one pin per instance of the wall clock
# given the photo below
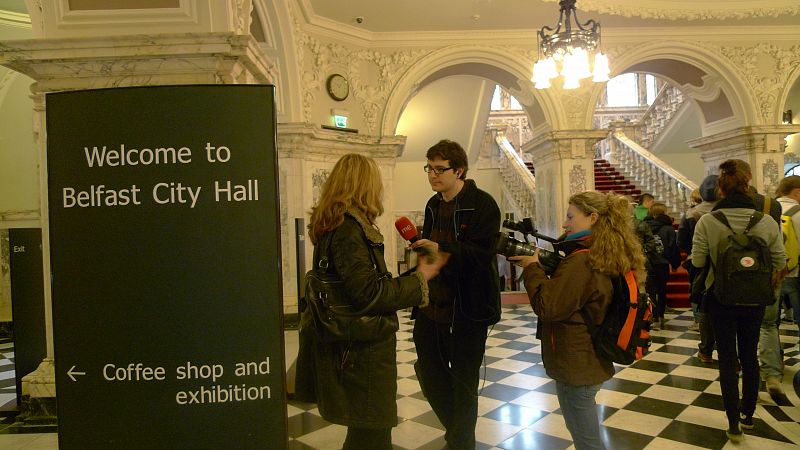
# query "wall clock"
(338, 87)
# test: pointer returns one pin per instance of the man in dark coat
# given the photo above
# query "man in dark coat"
(450, 334)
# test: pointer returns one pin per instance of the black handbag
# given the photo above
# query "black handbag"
(334, 317)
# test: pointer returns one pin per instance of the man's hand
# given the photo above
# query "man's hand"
(428, 246)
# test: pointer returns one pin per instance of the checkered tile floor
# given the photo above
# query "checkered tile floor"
(8, 390)
(669, 400)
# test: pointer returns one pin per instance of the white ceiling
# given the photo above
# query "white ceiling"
(464, 15)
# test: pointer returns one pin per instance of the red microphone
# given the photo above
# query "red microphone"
(409, 232)
(406, 229)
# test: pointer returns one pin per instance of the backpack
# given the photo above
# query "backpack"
(790, 237)
(743, 272)
(652, 245)
(624, 335)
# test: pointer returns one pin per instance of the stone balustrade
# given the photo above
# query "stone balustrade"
(519, 184)
(658, 116)
(650, 173)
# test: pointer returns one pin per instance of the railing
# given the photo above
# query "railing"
(650, 173)
(660, 113)
(519, 184)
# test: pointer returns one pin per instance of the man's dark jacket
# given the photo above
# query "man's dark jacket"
(473, 263)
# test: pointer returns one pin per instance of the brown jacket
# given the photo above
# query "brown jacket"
(567, 350)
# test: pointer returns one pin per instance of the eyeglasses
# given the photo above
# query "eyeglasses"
(437, 170)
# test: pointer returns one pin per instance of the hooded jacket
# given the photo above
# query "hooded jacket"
(662, 227)
(710, 232)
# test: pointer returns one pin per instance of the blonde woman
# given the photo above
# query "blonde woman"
(355, 383)
(602, 224)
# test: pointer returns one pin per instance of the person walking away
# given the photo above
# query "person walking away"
(708, 193)
(736, 326)
(661, 225)
(770, 351)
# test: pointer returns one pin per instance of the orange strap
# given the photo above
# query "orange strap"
(627, 329)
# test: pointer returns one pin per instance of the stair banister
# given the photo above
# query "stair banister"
(518, 182)
(651, 172)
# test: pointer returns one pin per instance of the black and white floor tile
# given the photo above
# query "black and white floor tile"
(8, 390)
(669, 400)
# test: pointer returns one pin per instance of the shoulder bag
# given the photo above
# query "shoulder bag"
(334, 317)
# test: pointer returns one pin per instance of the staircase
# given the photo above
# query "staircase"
(608, 179)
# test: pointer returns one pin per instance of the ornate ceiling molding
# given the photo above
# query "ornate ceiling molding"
(690, 10)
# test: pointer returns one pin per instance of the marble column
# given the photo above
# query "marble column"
(761, 146)
(564, 162)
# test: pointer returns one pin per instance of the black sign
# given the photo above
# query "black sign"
(27, 301)
(166, 277)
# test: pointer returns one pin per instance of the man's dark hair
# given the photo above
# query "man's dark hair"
(451, 152)
(645, 196)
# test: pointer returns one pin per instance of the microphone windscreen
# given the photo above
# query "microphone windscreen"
(406, 229)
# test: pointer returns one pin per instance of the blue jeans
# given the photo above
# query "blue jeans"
(580, 413)
(769, 344)
(790, 288)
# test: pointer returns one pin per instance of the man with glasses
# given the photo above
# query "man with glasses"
(461, 221)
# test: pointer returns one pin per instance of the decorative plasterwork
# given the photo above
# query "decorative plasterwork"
(101, 62)
(767, 68)
(577, 179)
(690, 10)
(318, 59)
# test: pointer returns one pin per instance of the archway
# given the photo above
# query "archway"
(711, 82)
(506, 69)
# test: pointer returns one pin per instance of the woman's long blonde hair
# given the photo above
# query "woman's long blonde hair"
(354, 184)
(615, 247)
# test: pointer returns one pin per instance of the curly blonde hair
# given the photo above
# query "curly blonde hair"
(354, 184)
(615, 247)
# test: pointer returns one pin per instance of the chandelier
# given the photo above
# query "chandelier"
(566, 50)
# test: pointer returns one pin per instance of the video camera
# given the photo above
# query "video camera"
(509, 246)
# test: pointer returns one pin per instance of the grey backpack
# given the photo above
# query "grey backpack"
(743, 272)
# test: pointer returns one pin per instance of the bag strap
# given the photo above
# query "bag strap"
(754, 219)
(792, 211)
(324, 261)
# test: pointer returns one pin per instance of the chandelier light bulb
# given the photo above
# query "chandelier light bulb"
(549, 68)
(571, 82)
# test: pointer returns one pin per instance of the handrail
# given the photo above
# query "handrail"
(652, 107)
(650, 172)
(646, 154)
(519, 184)
(519, 166)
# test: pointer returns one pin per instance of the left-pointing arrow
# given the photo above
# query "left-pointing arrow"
(72, 372)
